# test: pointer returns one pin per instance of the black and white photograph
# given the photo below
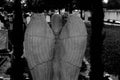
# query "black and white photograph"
(59, 39)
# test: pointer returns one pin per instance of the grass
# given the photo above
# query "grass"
(111, 44)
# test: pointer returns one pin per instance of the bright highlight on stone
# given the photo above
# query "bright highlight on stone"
(105, 1)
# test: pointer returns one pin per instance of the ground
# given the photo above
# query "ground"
(111, 45)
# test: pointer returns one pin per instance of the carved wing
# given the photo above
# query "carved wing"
(73, 40)
(38, 43)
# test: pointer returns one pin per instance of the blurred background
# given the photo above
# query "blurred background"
(23, 9)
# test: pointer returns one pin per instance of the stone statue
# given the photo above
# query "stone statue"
(55, 52)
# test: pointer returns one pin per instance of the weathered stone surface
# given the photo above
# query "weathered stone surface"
(56, 23)
(63, 47)
(39, 40)
(73, 39)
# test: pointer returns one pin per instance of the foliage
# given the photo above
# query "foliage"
(111, 53)
(113, 4)
(40, 5)
(2, 2)
(83, 4)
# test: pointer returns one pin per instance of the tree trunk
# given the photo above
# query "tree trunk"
(96, 41)
(17, 37)
(18, 32)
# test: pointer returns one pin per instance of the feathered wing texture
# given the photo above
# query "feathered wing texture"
(73, 40)
(38, 43)
(39, 27)
(73, 27)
